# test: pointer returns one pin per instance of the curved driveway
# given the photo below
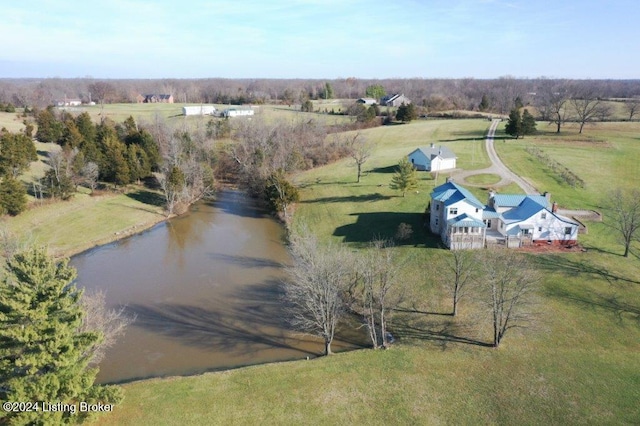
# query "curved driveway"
(497, 167)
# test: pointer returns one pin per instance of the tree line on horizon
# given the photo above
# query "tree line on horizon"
(491, 95)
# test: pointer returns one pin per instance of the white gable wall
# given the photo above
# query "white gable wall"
(439, 163)
(546, 226)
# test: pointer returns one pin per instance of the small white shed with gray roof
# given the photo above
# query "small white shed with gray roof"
(433, 158)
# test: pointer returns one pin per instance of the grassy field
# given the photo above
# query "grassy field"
(580, 365)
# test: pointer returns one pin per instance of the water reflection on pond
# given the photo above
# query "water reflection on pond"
(205, 291)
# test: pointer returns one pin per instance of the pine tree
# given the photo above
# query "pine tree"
(16, 152)
(13, 196)
(43, 356)
(514, 125)
(528, 123)
(484, 103)
(405, 178)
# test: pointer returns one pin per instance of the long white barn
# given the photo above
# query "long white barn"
(198, 110)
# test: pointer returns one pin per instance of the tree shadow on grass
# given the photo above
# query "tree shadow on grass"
(350, 198)
(147, 197)
(384, 225)
(388, 169)
(590, 299)
(574, 267)
(443, 332)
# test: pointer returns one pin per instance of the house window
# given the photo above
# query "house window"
(453, 210)
(477, 210)
(539, 228)
(525, 231)
(437, 207)
(567, 230)
(436, 221)
(543, 215)
(488, 223)
(466, 229)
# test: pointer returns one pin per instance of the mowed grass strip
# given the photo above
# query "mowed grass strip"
(84, 221)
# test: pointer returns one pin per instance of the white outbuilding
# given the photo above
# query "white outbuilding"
(237, 112)
(433, 158)
(198, 110)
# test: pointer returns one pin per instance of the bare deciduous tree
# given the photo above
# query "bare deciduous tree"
(509, 283)
(376, 291)
(622, 214)
(315, 291)
(588, 107)
(632, 107)
(462, 266)
(552, 106)
(112, 323)
(359, 150)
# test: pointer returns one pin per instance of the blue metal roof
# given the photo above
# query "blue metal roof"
(490, 213)
(465, 220)
(450, 193)
(524, 211)
(514, 200)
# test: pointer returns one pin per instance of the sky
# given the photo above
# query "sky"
(316, 39)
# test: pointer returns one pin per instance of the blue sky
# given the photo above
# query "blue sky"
(320, 38)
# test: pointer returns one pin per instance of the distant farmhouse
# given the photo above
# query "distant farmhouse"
(395, 100)
(237, 112)
(367, 101)
(433, 158)
(513, 220)
(68, 102)
(153, 99)
(198, 110)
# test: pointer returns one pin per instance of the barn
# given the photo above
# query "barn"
(433, 158)
(198, 110)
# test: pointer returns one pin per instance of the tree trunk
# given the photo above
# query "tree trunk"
(327, 347)
(359, 172)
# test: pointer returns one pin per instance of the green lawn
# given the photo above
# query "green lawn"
(578, 365)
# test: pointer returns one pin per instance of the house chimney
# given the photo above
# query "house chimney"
(554, 207)
(492, 194)
(449, 179)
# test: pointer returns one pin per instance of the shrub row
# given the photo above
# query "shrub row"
(563, 172)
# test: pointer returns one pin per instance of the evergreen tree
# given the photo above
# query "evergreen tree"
(280, 193)
(49, 128)
(16, 152)
(405, 178)
(406, 113)
(484, 103)
(58, 184)
(528, 123)
(514, 124)
(328, 91)
(43, 356)
(13, 196)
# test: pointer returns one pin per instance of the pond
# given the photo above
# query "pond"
(205, 292)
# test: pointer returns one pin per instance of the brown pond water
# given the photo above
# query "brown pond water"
(205, 291)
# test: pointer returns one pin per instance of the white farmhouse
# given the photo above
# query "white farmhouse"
(433, 158)
(527, 219)
(198, 110)
(456, 215)
(515, 220)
